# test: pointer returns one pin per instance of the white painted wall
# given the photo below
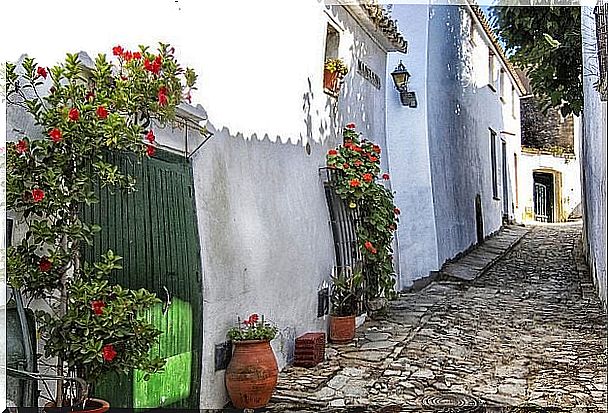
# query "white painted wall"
(593, 159)
(440, 152)
(408, 152)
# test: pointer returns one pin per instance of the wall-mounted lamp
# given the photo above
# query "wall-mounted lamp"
(400, 77)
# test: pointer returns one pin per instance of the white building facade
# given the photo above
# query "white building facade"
(594, 140)
(453, 158)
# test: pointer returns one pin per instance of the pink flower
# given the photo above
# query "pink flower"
(350, 126)
(386, 177)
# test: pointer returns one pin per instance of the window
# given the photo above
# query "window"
(515, 166)
(491, 70)
(331, 81)
(494, 164)
(513, 99)
(502, 86)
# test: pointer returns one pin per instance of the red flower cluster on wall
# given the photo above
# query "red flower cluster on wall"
(153, 66)
(74, 114)
(108, 352)
(21, 146)
(45, 265)
(37, 195)
(41, 71)
(55, 135)
(101, 112)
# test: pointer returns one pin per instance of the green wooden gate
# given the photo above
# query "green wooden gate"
(155, 231)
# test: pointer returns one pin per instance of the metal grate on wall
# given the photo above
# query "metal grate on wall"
(601, 27)
(344, 223)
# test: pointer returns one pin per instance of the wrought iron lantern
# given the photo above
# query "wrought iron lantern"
(401, 78)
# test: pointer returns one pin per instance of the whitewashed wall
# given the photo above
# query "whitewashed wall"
(593, 159)
(440, 152)
(266, 242)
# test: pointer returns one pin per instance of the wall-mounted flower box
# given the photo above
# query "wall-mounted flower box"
(334, 72)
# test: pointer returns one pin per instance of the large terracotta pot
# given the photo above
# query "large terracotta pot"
(341, 329)
(91, 406)
(252, 374)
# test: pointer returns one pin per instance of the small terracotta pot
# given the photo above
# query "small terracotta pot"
(341, 329)
(252, 374)
(331, 81)
(91, 406)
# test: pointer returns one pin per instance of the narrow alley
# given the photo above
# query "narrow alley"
(530, 331)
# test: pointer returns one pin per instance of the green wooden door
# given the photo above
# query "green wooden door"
(155, 231)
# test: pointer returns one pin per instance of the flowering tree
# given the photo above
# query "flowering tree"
(93, 327)
(358, 163)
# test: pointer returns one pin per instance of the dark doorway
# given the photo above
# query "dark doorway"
(505, 182)
(544, 190)
(479, 219)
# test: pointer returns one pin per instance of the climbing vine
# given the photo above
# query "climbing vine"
(359, 184)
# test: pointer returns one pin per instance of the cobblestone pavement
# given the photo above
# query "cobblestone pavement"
(528, 333)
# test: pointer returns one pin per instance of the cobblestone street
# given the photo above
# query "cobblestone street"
(530, 331)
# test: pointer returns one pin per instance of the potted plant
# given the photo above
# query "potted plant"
(334, 71)
(346, 293)
(252, 373)
(91, 327)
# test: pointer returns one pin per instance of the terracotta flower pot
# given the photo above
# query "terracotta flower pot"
(252, 374)
(91, 406)
(331, 81)
(341, 329)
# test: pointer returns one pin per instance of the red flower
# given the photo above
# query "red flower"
(97, 306)
(368, 177)
(376, 149)
(117, 50)
(354, 183)
(21, 146)
(345, 166)
(373, 158)
(350, 126)
(150, 136)
(386, 177)
(358, 163)
(162, 97)
(108, 352)
(101, 112)
(55, 135)
(137, 55)
(356, 148)
(150, 150)
(397, 211)
(332, 152)
(128, 56)
(153, 65)
(368, 245)
(37, 195)
(41, 71)
(74, 114)
(45, 265)
(253, 318)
